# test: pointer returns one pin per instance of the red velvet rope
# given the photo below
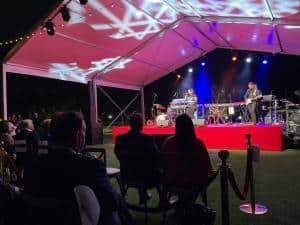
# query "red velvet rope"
(241, 195)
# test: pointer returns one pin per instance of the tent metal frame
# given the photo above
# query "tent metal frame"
(4, 91)
(112, 100)
(99, 81)
(136, 49)
(124, 109)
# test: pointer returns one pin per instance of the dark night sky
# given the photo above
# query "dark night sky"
(30, 94)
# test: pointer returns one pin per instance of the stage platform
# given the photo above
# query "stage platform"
(231, 137)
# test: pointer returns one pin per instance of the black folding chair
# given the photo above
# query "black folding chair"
(111, 171)
(178, 188)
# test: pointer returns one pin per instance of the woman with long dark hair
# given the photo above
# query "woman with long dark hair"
(191, 164)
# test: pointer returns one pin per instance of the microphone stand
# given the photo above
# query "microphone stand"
(153, 114)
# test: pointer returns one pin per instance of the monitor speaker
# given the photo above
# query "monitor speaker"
(199, 122)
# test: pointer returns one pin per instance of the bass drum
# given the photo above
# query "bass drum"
(295, 116)
(162, 120)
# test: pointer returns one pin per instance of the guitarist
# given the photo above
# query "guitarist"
(252, 96)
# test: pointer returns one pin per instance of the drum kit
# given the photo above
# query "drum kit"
(291, 116)
(166, 116)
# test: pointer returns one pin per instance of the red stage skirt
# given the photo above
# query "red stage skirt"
(231, 137)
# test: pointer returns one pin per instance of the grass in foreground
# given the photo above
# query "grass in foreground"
(277, 187)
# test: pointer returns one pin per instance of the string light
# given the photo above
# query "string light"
(15, 40)
(19, 39)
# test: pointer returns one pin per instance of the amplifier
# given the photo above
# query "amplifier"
(199, 122)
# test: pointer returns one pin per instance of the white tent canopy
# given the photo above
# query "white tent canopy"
(131, 43)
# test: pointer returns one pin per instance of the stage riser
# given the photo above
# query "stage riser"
(268, 137)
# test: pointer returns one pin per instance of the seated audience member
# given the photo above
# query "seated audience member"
(45, 130)
(55, 175)
(36, 122)
(193, 166)
(32, 138)
(135, 142)
(7, 131)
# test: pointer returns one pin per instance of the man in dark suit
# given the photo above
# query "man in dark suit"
(32, 138)
(135, 142)
(36, 122)
(55, 175)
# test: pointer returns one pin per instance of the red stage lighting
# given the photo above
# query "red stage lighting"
(234, 58)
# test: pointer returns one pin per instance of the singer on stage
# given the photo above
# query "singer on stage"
(191, 99)
(252, 96)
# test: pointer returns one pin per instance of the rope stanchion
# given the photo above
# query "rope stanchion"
(223, 155)
(226, 174)
(234, 185)
(251, 208)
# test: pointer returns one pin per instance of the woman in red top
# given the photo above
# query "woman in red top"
(191, 164)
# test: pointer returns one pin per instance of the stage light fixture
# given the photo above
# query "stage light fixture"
(65, 13)
(83, 2)
(234, 58)
(178, 76)
(265, 61)
(203, 64)
(248, 60)
(190, 70)
(49, 26)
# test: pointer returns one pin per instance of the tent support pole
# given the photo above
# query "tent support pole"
(268, 6)
(245, 20)
(195, 11)
(93, 110)
(278, 38)
(221, 36)
(143, 105)
(4, 92)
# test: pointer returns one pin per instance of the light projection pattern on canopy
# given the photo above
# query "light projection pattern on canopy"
(135, 42)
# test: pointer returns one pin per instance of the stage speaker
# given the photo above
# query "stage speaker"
(268, 120)
(162, 123)
(199, 122)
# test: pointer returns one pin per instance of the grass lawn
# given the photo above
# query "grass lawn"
(277, 187)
